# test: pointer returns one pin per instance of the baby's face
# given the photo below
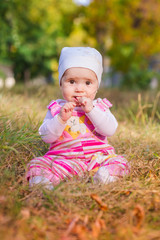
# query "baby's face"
(79, 82)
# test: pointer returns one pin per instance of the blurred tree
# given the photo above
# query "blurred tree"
(5, 37)
(32, 32)
(128, 31)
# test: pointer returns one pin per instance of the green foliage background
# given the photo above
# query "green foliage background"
(33, 32)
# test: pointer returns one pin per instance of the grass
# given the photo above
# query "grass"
(78, 209)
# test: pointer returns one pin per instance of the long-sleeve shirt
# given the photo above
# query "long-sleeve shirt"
(104, 122)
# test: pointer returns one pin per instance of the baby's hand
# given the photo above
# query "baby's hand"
(66, 111)
(85, 103)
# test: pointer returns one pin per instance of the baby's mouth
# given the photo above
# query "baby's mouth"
(76, 99)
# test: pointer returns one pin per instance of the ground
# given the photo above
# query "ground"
(78, 209)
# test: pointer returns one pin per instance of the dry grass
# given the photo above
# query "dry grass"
(129, 209)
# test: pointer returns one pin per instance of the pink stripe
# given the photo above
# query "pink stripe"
(65, 142)
(52, 103)
(107, 102)
(65, 153)
(66, 167)
(79, 114)
(41, 160)
(41, 167)
(86, 144)
(70, 157)
(103, 150)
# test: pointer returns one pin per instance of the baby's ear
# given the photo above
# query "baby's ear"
(60, 86)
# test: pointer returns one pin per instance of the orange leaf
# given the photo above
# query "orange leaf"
(98, 200)
(98, 225)
(81, 232)
(138, 217)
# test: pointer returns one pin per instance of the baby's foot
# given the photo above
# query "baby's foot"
(39, 180)
(103, 176)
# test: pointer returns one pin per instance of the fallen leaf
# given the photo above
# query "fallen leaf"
(98, 200)
(86, 218)
(127, 193)
(76, 228)
(81, 232)
(138, 215)
(97, 226)
(71, 226)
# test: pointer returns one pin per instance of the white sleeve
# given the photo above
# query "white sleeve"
(51, 128)
(104, 122)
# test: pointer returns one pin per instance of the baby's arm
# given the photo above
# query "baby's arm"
(51, 128)
(104, 122)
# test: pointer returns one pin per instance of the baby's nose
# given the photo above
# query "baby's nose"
(80, 87)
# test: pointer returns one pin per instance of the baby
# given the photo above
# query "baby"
(77, 126)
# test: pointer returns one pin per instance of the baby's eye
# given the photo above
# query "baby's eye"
(88, 82)
(71, 81)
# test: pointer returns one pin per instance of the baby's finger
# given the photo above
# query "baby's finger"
(69, 106)
(73, 104)
(83, 101)
(65, 107)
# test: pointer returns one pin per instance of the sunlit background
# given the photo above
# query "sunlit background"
(127, 34)
(82, 2)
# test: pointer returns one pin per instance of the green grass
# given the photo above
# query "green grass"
(69, 212)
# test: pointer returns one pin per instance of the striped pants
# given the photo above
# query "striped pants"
(58, 168)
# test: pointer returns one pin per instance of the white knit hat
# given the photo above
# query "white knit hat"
(85, 57)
